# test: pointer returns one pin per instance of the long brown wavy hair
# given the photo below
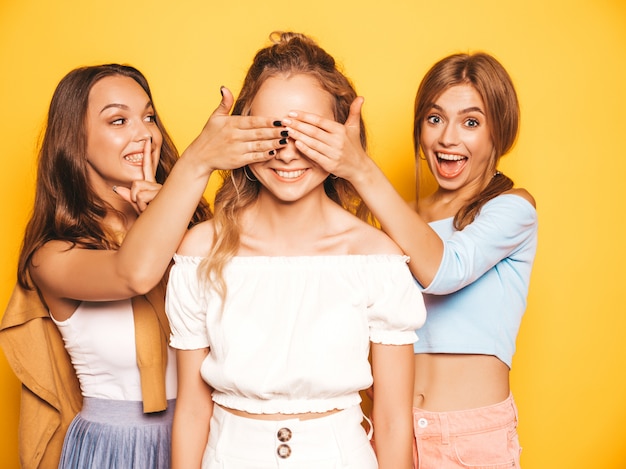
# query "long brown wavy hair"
(66, 207)
(495, 87)
(289, 54)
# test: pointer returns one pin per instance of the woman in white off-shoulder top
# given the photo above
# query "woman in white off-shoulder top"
(275, 303)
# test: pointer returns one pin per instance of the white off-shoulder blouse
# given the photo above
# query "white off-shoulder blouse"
(294, 333)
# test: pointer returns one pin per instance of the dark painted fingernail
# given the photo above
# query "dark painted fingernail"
(222, 90)
(284, 133)
(277, 123)
(283, 141)
(272, 152)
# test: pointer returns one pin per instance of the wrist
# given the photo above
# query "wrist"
(196, 164)
(366, 174)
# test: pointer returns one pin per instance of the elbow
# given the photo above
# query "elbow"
(140, 282)
(423, 278)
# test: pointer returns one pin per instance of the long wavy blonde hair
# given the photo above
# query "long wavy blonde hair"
(289, 54)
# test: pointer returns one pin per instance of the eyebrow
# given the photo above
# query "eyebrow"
(123, 106)
(462, 111)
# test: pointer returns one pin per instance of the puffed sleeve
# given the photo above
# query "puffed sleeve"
(184, 305)
(506, 227)
(396, 308)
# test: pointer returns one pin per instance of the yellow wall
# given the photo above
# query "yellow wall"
(568, 60)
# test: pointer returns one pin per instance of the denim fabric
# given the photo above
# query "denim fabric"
(483, 438)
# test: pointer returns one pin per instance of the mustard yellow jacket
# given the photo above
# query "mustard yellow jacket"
(51, 395)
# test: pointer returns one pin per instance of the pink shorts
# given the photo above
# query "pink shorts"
(483, 438)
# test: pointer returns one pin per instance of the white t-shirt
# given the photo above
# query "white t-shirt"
(100, 339)
(294, 333)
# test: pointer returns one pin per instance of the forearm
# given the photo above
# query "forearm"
(337, 148)
(194, 409)
(190, 434)
(394, 440)
(154, 237)
(394, 372)
(225, 142)
(414, 236)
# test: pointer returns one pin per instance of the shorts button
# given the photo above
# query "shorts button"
(422, 423)
(284, 451)
(283, 435)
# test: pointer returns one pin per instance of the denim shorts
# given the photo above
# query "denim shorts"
(334, 441)
(482, 438)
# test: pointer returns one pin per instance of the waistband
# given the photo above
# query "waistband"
(465, 421)
(123, 412)
(295, 439)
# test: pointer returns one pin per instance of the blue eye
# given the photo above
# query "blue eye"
(472, 123)
(434, 119)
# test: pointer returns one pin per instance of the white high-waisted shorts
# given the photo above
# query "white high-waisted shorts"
(335, 441)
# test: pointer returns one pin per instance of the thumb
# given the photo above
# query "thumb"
(123, 192)
(226, 104)
(354, 117)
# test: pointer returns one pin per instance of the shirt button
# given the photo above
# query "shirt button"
(284, 435)
(422, 423)
(284, 451)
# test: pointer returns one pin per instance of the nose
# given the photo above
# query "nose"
(288, 153)
(143, 132)
(449, 135)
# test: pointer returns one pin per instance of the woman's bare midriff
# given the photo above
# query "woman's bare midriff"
(304, 416)
(449, 382)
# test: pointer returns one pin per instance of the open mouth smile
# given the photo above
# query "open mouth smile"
(450, 165)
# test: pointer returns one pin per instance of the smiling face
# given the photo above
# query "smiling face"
(290, 176)
(456, 140)
(119, 121)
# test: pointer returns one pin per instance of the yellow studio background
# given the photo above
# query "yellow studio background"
(568, 61)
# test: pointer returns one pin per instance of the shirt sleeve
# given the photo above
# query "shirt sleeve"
(184, 305)
(396, 307)
(505, 225)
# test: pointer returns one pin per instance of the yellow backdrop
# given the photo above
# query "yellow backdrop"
(568, 60)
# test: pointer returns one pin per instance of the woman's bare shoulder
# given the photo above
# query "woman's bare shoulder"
(198, 240)
(368, 240)
(523, 193)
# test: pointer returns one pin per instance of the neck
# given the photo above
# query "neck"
(287, 228)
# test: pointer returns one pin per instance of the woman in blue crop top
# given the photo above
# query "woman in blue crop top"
(275, 303)
(472, 244)
(98, 264)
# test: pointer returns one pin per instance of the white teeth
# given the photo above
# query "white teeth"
(448, 157)
(136, 158)
(290, 174)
